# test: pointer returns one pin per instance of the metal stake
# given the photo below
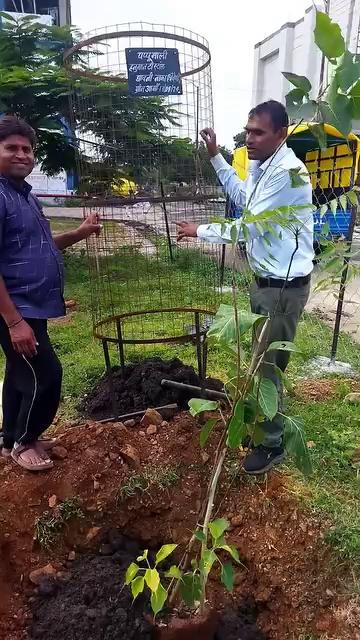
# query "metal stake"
(110, 378)
(166, 221)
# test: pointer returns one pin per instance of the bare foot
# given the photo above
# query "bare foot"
(42, 449)
(30, 459)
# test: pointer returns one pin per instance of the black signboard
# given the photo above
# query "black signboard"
(153, 72)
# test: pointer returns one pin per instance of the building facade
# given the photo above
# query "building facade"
(292, 48)
(58, 11)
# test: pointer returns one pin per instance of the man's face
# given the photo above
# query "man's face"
(261, 138)
(16, 157)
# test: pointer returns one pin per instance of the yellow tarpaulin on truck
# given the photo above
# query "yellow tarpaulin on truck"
(329, 168)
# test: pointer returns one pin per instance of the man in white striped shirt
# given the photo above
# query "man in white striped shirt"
(282, 260)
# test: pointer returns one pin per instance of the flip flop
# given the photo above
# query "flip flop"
(41, 466)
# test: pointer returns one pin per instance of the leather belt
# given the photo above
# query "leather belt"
(301, 281)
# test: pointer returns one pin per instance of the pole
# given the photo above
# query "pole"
(166, 221)
(344, 274)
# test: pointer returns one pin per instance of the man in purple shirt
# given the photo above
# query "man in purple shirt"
(31, 291)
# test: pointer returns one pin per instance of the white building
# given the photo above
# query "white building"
(292, 48)
(57, 11)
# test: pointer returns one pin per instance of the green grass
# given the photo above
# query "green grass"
(161, 477)
(49, 526)
(334, 488)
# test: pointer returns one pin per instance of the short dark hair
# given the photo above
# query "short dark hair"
(275, 110)
(14, 126)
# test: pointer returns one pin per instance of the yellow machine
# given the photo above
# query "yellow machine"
(123, 187)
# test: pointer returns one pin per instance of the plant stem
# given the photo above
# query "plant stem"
(208, 513)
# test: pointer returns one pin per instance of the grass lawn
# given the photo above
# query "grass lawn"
(334, 427)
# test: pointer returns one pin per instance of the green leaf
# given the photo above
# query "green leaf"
(257, 434)
(7, 16)
(268, 397)
(296, 177)
(190, 589)
(236, 428)
(164, 552)
(199, 535)
(328, 36)
(323, 210)
(352, 197)
(295, 443)
(158, 599)
(232, 550)
(333, 206)
(234, 234)
(207, 561)
(143, 557)
(348, 72)
(250, 410)
(283, 345)
(343, 201)
(137, 586)
(131, 572)
(218, 527)
(227, 576)
(206, 431)
(174, 572)
(338, 113)
(300, 82)
(199, 405)
(355, 100)
(152, 579)
(319, 133)
(224, 327)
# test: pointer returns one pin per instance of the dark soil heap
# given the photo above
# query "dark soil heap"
(140, 387)
(93, 603)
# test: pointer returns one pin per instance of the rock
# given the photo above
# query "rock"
(91, 614)
(52, 501)
(131, 456)
(72, 556)
(205, 457)
(99, 431)
(116, 539)
(105, 549)
(164, 424)
(59, 453)
(151, 416)
(97, 485)
(352, 398)
(311, 444)
(236, 521)
(47, 588)
(113, 456)
(151, 430)
(36, 576)
(142, 433)
(130, 423)
(93, 533)
(63, 576)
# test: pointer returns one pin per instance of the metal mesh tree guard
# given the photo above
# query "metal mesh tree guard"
(141, 162)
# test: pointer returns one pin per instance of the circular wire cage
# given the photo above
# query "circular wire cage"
(142, 162)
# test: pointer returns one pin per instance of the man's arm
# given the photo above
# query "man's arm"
(87, 228)
(233, 186)
(21, 334)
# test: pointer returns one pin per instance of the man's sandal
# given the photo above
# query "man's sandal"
(16, 455)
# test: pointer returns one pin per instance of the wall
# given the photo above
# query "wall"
(291, 48)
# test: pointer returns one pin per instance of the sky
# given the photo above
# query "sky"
(232, 28)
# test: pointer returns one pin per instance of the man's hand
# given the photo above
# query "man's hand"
(186, 230)
(89, 227)
(23, 339)
(209, 137)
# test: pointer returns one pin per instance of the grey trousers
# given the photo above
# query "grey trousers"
(284, 307)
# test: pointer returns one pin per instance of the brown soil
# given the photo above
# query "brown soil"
(315, 390)
(287, 565)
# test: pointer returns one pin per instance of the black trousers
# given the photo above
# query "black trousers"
(31, 389)
(284, 309)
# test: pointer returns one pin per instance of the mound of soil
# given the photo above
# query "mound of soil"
(93, 603)
(139, 387)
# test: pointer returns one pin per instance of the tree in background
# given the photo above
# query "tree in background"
(240, 139)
